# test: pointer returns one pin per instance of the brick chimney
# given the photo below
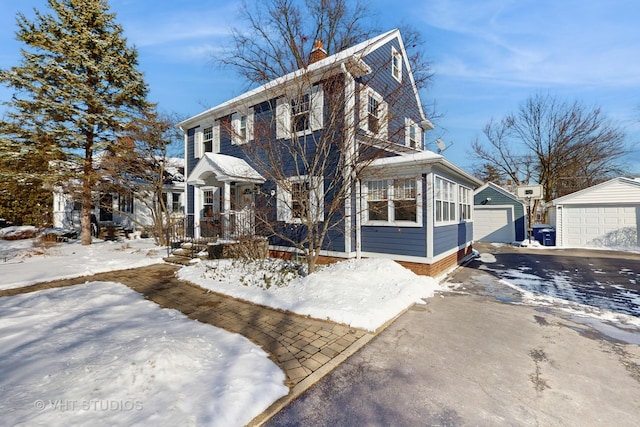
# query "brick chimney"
(318, 52)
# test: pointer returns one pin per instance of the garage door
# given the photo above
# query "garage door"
(493, 224)
(600, 225)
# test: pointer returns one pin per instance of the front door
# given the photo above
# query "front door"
(106, 207)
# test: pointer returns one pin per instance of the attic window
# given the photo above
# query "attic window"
(373, 115)
(396, 64)
(413, 135)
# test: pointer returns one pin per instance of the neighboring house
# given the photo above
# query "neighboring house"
(605, 215)
(405, 203)
(498, 215)
(120, 209)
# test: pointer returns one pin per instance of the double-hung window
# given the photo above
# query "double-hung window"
(392, 201)
(207, 139)
(176, 206)
(465, 203)
(404, 200)
(125, 203)
(445, 200)
(242, 126)
(207, 203)
(300, 199)
(373, 113)
(396, 64)
(413, 135)
(300, 113)
(378, 200)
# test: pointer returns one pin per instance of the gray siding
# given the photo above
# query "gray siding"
(498, 198)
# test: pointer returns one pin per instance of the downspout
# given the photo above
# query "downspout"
(358, 220)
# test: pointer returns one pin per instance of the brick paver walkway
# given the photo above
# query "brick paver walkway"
(299, 345)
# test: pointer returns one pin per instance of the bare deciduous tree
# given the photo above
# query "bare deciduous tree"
(138, 165)
(560, 145)
(278, 37)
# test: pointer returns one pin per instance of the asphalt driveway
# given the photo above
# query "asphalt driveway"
(603, 279)
(473, 357)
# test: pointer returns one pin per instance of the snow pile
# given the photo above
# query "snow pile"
(101, 354)
(360, 293)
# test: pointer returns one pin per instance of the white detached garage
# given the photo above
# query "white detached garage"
(605, 215)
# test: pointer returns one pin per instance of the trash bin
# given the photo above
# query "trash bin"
(538, 229)
(548, 237)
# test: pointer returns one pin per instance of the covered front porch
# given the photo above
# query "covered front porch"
(224, 194)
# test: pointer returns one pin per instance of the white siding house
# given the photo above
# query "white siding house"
(605, 215)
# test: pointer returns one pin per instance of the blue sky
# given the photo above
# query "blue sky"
(488, 56)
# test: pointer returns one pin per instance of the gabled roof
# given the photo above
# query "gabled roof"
(617, 190)
(225, 169)
(349, 59)
(499, 189)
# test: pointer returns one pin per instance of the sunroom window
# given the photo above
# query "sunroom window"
(445, 202)
(404, 200)
(392, 201)
(465, 203)
(377, 200)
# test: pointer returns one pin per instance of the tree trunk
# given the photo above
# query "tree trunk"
(87, 187)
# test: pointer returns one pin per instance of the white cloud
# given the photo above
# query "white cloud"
(547, 42)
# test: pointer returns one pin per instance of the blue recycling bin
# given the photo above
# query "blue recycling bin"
(538, 230)
(548, 237)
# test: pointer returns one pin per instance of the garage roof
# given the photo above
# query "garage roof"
(615, 191)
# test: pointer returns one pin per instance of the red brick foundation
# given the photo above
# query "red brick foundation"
(439, 267)
(432, 270)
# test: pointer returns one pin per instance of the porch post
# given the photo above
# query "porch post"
(197, 206)
(226, 218)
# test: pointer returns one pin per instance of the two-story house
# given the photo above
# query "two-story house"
(342, 139)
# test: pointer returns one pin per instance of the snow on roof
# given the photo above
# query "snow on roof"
(421, 159)
(343, 56)
(225, 168)
(413, 158)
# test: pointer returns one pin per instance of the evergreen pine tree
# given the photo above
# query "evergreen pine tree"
(75, 90)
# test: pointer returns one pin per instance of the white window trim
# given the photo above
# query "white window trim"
(470, 203)
(198, 139)
(236, 138)
(215, 138)
(284, 208)
(316, 114)
(438, 223)
(396, 54)
(390, 198)
(408, 124)
(365, 93)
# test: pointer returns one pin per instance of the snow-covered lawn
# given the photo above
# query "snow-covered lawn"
(99, 353)
(29, 261)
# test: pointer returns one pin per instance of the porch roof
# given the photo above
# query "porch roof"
(225, 169)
